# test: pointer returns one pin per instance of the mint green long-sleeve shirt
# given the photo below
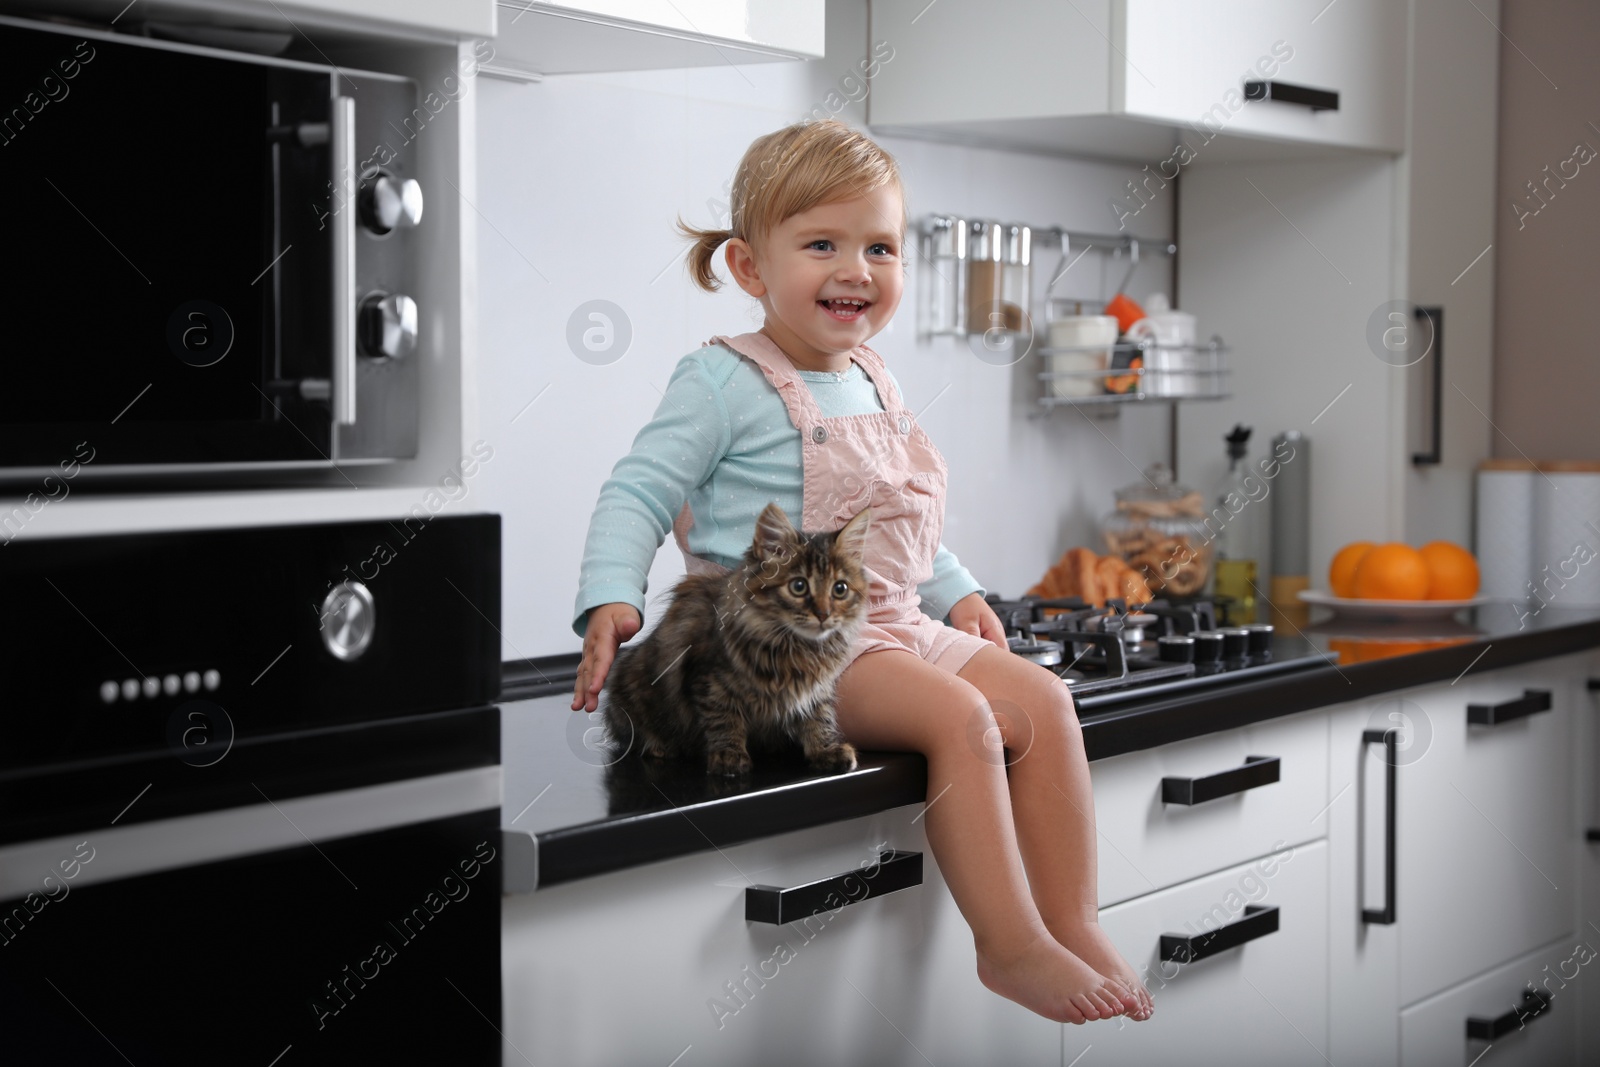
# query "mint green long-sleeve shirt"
(721, 440)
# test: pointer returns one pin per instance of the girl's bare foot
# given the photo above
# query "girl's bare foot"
(1090, 944)
(1049, 980)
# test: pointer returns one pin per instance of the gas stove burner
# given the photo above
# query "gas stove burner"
(1121, 647)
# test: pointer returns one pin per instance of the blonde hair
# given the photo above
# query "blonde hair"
(789, 171)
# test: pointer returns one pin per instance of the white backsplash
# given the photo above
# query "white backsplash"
(580, 179)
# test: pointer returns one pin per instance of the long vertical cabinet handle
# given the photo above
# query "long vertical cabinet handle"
(1593, 685)
(342, 150)
(1431, 457)
(1389, 739)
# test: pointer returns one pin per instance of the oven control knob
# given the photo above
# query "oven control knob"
(348, 620)
(389, 203)
(387, 326)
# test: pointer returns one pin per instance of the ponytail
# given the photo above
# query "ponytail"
(789, 171)
(706, 243)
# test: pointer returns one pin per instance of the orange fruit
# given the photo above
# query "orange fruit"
(1452, 571)
(1342, 574)
(1392, 572)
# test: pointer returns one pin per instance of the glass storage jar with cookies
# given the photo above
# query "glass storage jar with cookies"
(1159, 530)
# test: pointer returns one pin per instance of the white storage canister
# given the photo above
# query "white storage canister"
(1504, 534)
(1565, 569)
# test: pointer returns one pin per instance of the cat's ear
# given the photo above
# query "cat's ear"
(774, 532)
(852, 538)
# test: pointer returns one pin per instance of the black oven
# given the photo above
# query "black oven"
(209, 258)
(249, 802)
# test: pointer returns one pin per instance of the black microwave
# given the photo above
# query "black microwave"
(209, 259)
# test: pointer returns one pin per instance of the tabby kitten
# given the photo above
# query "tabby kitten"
(750, 658)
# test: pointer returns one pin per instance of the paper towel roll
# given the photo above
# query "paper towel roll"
(1565, 569)
(1504, 535)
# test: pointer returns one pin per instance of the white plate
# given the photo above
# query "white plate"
(1390, 609)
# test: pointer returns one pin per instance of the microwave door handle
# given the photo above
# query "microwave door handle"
(342, 145)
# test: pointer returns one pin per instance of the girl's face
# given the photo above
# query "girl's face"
(829, 278)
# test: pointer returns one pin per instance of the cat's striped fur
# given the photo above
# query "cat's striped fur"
(749, 659)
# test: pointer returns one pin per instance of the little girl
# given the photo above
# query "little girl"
(804, 414)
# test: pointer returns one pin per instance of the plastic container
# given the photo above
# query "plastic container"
(1080, 348)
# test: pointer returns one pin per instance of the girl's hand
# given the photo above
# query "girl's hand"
(972, 614)
(609, 626)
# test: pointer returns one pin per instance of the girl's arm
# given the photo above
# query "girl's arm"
(954, 594)
(675, 451)
(950, 582)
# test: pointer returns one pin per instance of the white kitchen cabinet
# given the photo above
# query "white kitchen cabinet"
(1261, 1002)
(1311, 270)
(436, 20)
(658, 961)
(1186, 63)
(1586, 764)
(1129, 78)
(457, 18)
(1484, 848)
(1448, 183)
(1148, 844)
(1364, 959)
(1434, 1032)
(541, 37)
(1485, 828)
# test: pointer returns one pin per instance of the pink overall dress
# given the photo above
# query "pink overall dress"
(881, 459)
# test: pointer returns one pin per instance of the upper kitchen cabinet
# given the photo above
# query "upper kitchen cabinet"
(210, 22)
(606, 35)
(1130, 79)
(454, 18)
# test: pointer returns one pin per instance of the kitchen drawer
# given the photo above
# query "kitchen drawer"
(1262, 1002)
(1146, 844)
(1484, 823)
(641, 966)
(1434, 1032)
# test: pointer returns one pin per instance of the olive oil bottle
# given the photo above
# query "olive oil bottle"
(1239, 522)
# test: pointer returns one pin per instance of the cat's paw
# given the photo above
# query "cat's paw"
(840, 757)
(728, 762)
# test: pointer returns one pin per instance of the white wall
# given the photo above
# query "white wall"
(580, 178)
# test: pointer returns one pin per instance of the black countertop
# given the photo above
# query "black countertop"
(574, 810)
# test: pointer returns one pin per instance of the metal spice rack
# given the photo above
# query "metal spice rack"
(1167, 373)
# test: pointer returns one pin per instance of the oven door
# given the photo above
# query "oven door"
(342, 928)
(169, 263)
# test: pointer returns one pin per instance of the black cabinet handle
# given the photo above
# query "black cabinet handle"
(893, 871)
(1257, 771)
(1591, 835)
(1535, 1002)
(1389, 739)
(1258, 921)
(1286, 93)
(1531, 702)
(1436, 316)
(1594, 685)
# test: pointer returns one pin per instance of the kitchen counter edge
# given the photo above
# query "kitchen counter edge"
(1113, 725)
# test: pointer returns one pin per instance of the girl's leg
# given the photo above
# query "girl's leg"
(1054, 807)
(894, 700)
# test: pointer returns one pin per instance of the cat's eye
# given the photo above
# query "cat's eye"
(798, 587)
(840, 590)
